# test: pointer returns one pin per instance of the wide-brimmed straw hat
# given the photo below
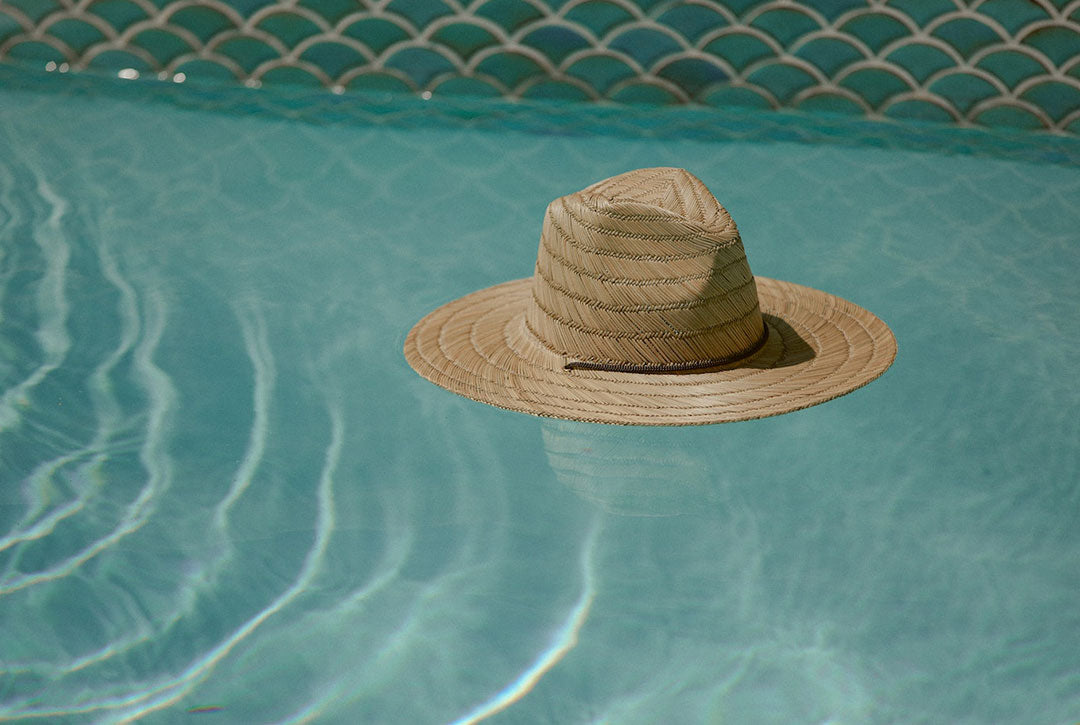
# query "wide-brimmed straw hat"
(642, 311)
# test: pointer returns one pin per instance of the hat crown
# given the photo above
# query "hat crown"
(644, 271)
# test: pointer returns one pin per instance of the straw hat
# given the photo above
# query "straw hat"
(643, 311)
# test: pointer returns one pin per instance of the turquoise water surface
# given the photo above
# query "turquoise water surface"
(225, 497)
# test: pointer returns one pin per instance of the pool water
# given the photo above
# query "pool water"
(225, 495)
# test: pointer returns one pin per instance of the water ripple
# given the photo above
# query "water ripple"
(253, 327)
(167, 693)
(564, 640)
(51, 301)
(154, 455)
(107, 410)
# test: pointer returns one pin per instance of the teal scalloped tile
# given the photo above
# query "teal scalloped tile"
(644, 93)
(76, 34)
(117, 13)
(692, 21)
(738, 97)
(742, 7)
(419, 12)
(555, 41)
(600, 71)
(35, 51)
(829, 54)
(205, 68)
(1011, 66)
(739, 49)
(923, 11)
(509, 68)
(1059, 44)
(1009, 117)
(114, 60)
(508, 14)
(450, 46)
(875, 29)
(332, 10)
(875, 85)
(598, 16)
(378, 34)
(289, 28)
(161, 44)
(967, 35)
(645, 5)
(466, 87)
(783, 81)
(963, 90)
(464, 38)
(833, 9)
(920, 60)
(35, 9)
(419, 64)
(1074, 127)
(204, 22)
(1058, 99)
(555, 91)
(693, 74)
(1013, 15)
(289, 76)
(248, 7)
(831, 103)
(644, 45)
(785, 24)
(247, 52)
(917, 110)
(332, 57)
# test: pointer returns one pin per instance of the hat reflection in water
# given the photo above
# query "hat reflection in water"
(629, 476)
(643, 310)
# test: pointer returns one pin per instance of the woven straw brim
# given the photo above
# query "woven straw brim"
(819, 347)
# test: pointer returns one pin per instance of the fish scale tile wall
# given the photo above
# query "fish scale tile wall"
(992, 62)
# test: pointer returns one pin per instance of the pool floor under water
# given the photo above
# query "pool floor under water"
(224, 493)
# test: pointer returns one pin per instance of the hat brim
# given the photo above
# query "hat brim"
(819, 347)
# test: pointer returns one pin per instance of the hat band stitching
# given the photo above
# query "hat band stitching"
(649, 282)
(672, 367)
(684, 305)
(728, 224)
(655, 184)
(563, 235)
(685, 237)
(631, 217)
(673, 334)
(697, 197)
(610, 188)
(674, 187)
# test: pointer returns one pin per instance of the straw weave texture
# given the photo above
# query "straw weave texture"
(643, 310)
